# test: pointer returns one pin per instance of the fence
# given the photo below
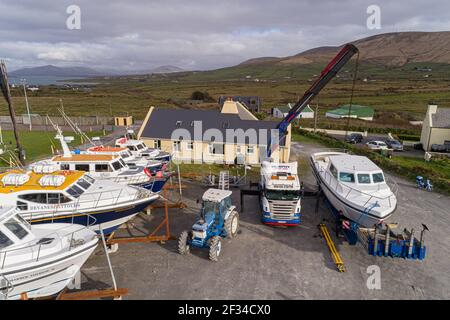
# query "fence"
(38, 120)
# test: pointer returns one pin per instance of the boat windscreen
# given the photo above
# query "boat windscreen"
(83, 183)
(346, 177)
(4, 241)
(16, 228)
(378, 177)
(363, 178)
(75, 191)
(89, 179)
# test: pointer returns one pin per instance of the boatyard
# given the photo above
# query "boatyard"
(324, 175)
(279, 263)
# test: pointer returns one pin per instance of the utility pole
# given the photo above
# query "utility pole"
(7, 94)
(316, 115)
(26, 102)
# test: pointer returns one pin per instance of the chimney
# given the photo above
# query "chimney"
(432, 108)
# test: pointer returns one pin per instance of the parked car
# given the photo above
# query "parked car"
(439, 148)
(394, 144)
(377, 145)
(354, 138)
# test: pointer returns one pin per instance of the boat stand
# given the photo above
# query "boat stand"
(114, 292)
(152, 237)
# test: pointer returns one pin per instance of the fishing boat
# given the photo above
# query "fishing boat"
(355, 186)
(104, 166)
(138, 148)
(45, 195)
(40, 260)
(131, 160)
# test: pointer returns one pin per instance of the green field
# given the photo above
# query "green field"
(398, 94)
(37, 144)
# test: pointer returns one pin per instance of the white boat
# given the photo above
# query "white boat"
(40, 260)
(45, 196)
(138, 148)
(131, 160)
(355, 186)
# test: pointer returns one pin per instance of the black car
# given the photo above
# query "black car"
(354, 138)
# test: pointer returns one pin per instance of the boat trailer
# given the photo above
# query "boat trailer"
(382, 241)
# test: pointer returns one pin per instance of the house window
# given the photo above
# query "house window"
(238, 149)
(65, 167)
(157, 144)
(189, 145)
(177, 146)
(215, 148)
(250, 149)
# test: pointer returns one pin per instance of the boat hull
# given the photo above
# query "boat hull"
(109, 219)
(350, 211)
(155, 185)
(49, 277)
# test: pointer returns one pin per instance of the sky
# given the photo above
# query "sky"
(194, 34)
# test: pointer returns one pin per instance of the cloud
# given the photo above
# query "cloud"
(194, 34)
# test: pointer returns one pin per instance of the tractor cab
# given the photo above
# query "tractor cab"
(218, 219)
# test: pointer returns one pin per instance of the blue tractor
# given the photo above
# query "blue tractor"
(218, 219)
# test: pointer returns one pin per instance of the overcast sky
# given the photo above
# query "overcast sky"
(194, 34)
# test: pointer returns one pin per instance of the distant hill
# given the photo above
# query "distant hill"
(166, 69)
(54, 71)
(389, 49)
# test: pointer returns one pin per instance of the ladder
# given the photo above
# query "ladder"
(224, 180)
(334, 253)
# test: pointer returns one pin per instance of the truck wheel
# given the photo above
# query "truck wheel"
(232, 225)
(183, 244)
(215, 248)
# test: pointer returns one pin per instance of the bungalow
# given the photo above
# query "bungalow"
(231, 136)
(282, 111)
(436, 127)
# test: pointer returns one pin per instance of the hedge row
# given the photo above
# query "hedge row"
(387, 164)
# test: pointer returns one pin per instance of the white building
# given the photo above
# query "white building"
(282, 111)
(436, 127)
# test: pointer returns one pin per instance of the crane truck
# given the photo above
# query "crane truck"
(279, 189)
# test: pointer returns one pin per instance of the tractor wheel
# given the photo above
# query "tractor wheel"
(232, 225)
(183, 244)
(215, 248)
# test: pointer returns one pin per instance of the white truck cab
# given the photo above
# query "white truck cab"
(280, 193)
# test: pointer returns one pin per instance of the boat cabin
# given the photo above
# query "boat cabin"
(124, 153)
(35, 191)
(357, 170)
(91, 162)
(14, 229)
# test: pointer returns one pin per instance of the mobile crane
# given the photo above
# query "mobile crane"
(279, 188)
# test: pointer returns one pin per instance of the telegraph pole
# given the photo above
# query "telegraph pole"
(26, 102)
(7, 94)
(316, 115)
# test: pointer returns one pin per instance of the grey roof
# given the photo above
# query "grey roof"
(441, 119)
(163, 122)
